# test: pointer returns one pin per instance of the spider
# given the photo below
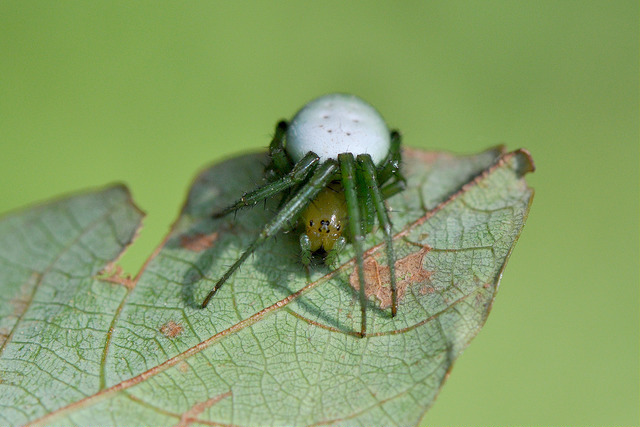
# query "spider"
(335, 163)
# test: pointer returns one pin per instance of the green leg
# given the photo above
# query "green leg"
(320, 179)
(367, 209)
(280, 163)
(305, 249)
(369, 174)
(348, 176)
(393, 188)
(332, 255)
(299, 172)
(390, 167)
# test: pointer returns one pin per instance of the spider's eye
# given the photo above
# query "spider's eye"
(311, 223)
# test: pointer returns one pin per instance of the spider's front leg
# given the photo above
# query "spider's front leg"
(299, 173)
(289, 212)
(368, 173)
(348, 177)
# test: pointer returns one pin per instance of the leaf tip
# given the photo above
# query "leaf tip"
(524, 162)
(121, 187)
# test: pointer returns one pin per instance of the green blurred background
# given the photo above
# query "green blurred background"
(148, 93)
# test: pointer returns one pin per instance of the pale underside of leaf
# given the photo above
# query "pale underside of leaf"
(55, 315)
(277, 344)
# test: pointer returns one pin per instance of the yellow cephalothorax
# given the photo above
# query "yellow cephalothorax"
(325, 218)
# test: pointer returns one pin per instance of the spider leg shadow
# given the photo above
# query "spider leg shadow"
(200, 269)
(278, 256)
(312, 313)
(209, 237)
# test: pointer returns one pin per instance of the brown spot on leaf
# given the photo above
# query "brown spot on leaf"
(171, 329)
(198, 242)
(4, 334)
(183, 367)
(114, 274)
(425, 289)
(409, 270)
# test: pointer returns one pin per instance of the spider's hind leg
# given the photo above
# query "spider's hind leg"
(390, 169)
(279, 163)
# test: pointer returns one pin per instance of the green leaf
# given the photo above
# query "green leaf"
(277, 344)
